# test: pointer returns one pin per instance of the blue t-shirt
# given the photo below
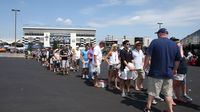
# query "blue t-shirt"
(164, 53)
(85, 55)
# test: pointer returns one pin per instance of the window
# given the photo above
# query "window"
(85, 35)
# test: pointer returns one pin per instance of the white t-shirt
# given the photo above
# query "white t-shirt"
(138, 58)
(97, 51)
(78, 53)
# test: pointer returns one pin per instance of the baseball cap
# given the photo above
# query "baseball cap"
(162, 30)
(174, 39)
(102, 43)
(138, 42)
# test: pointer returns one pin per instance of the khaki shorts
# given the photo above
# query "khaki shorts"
(157, 86)
(141, 74)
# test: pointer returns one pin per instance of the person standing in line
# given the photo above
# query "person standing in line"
(77, 58)
(38, 55)
(26, 54)
(64, 54)
(73, 60)
(47, 57)
(165, 57)
(138, 56)
(56, 60)
(189, 56)
(112, 59)
(50, 59)
(70, 57)
(96, 62)
(126, 61)
(85, 62)
(180, 78)
(90, 56)
(43, 56)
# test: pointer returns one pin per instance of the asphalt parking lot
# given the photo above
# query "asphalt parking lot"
(26, 86)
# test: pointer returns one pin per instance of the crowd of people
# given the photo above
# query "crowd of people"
(163, 65)
(194, 58)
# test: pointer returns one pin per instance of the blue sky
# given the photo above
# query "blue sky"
(109, 17)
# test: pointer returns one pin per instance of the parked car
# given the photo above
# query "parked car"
(2, 49)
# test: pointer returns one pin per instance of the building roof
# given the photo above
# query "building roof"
(188, 36)
(57, 28)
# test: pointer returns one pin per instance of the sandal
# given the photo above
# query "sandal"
(147, 110)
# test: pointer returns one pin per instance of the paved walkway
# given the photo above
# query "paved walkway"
(26, 86)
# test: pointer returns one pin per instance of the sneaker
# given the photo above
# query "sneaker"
(86, 76)
(187, 97)
(123, 94)
(174, 97)
(83, 77)
(147, 110)
(154, 102)
(159, 98)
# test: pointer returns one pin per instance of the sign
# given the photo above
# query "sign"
(47, 40)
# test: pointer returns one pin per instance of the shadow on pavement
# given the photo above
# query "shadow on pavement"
(139, 104)
(189, 105)
(114, 90)
(89, 83)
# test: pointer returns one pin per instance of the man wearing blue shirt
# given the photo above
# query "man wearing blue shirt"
(164, 56)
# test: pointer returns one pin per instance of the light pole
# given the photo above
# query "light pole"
(15, 10)
(159, 25)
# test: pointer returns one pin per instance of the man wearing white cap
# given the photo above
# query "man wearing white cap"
(138, 56)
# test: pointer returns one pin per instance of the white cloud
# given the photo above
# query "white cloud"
(135, 18)
(180, 15)
(64, 21)
(108, 3)
(68, 21)
(59, 19)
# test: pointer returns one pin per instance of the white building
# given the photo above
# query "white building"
(68, 36)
